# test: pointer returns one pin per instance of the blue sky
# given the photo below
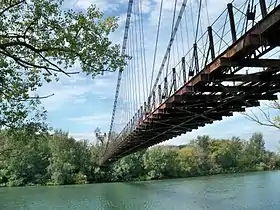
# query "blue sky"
(81, 104)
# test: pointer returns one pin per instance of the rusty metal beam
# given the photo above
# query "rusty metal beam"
(225, 89)
(238, 78)
(268, 23)
(269, 63)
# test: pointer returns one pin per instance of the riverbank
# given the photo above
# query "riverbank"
(147, 179)
(233, 172)
(43, 159)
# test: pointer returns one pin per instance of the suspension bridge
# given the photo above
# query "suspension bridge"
(208, 71)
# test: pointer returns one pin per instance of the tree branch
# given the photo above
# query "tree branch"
(11, 35)
(11, 6)
(28, 27)
(24, 44)
(268, 121)
(29, 98)
(27, 64)
(38, 51)
(18, 43)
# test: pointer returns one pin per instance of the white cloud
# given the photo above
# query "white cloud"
(104, 5)
(146, 6)
(92, 119)
(63, 94)
(77, 89)
(83, 135)
(80, 100)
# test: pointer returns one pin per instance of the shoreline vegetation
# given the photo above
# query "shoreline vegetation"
(29, 157)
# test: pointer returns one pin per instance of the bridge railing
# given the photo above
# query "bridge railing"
(227, 28)
(200, 54)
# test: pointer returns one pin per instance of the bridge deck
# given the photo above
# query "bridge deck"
(203, 99)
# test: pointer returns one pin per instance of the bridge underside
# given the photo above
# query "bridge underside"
(218, 90)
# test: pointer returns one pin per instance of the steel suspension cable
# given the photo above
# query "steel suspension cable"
(141, 50)
(126, 98)
(198, 20)
(133, 69)
(128, 79)
(127, 24)
(204, 42)
(156, 42)
(169, 45)
(187, 31)
(182, 41)
(130, 89)
(192, 18)
(137, 87)
(144, 49)
(172, 28)
(207, 12)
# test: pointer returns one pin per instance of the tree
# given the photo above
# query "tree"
(224, 153)
(161, 162)
(255, 149)
(203, 144)
(38, 40)
(23, 157)
(128, 168)
(188, 160)
(265, 118)
(69, 160)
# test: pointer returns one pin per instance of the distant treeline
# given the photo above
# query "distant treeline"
(30, 157)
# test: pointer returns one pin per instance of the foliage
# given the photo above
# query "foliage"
(30, 155)
(38, 40)
(23, 157)
(160, 162)
(128, 168)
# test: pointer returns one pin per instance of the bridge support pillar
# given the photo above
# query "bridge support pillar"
(195, 60)
(138, 114)
(263, 8)
(231, 21)
(154, 100)
(145, 107)
(159, 94)
(184, 69)
(211, 42)
(165, 88)
(174, 79)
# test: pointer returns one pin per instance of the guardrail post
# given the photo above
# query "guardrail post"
(174, 79)
(159, 94)
(165, 88)
(211, 42)
(184, 69)
(154, 99)
(263, 8)
(232, 23)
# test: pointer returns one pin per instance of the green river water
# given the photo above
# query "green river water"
(252, 191)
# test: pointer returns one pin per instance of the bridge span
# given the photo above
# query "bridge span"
(208, 91)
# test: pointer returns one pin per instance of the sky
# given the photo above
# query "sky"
(81, 104)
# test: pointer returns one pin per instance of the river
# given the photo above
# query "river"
(252, 191)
